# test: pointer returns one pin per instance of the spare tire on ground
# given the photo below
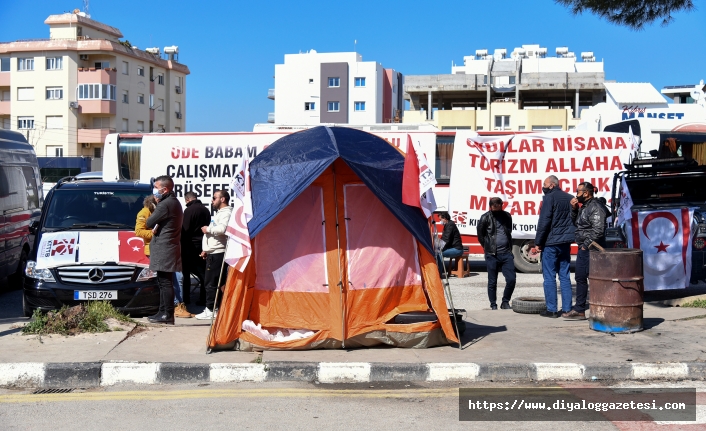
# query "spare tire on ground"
(529, 305)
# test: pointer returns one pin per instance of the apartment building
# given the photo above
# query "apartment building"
(339, 87)
(67, 92)
(526, 90)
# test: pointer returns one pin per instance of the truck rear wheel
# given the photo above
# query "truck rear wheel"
(524, 261)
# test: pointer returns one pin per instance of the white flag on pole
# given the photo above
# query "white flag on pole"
(239, 249)
(624, 210)
(634, 143)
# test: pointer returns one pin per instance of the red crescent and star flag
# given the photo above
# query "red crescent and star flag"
(665, 238)
(132, 249)
(238, 249)
(418, 180)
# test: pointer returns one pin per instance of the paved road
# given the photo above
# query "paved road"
(397, 406)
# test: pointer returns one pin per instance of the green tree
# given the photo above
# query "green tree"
(631, 13)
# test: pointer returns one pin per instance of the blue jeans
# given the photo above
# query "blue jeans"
(505, 263)
(556, 260)
(451, 252)
(178, 281)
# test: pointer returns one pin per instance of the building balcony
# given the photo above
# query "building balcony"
(4, 79)
(271, 94)
(97, 107)
(97, 76)
(93, 136)
(271, 117)
(5, 107)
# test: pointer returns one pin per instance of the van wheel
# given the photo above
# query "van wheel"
(16, 278)
(529, 305)
(524, 261)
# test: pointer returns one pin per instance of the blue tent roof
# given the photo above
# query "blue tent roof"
(282, 171)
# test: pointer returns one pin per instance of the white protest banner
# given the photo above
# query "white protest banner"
(98, 247)
(56, 249)
(513, 167)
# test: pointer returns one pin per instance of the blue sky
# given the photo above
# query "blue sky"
(231, 47)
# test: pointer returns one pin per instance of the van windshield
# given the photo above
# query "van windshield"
(110, 208)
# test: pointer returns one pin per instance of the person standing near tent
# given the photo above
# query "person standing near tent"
(214, 248)
(495, 236)
(196, 215)
(451, 245)
(590, 222)
(165, 248)
(555, 233)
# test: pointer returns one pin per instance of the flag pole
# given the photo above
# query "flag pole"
(445, 281)
(218, 288)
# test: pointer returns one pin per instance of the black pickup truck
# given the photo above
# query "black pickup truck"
(674, 176)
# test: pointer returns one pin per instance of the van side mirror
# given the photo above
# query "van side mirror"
(33, 227)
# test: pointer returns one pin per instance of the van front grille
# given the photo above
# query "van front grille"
(95, 275)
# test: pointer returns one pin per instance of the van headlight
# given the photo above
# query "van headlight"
(31, 271)
(146, 274)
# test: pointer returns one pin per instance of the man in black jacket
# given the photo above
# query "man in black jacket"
(195, 215)
(451, 240)
(555, 233)
(495, 236)
(590, 222)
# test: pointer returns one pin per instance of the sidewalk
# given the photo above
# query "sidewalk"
(497, 345)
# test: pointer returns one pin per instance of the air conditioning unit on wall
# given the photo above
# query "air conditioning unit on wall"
(86, 145)
(83, 57)
(73, 105)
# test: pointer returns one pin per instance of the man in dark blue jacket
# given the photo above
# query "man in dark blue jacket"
(555, 233)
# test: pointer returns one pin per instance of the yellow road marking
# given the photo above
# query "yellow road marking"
(227, 393)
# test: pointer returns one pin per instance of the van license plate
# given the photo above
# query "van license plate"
(95, 295)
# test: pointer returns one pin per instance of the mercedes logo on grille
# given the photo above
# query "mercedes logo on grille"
(96, 275)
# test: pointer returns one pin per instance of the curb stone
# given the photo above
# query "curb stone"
(93, 374)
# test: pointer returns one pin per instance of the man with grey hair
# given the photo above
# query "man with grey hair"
(555, 233)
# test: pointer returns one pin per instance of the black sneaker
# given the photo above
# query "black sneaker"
(552, 314)
(505, 306)
(493, 307)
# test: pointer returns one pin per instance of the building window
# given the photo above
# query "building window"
(54, 63)
(360, 106)
(520, 128)
(160, 79)
(25, 64)
(52, 151)
(333, 106)
(6, 124)
(310, 106)
(479, 128)
(444, 156)
(55, 122)
(543, 128)
(140, 71)
(101, 122)
(512, 80)
(360, 82)
(25, 93)
(95, 92)
(125, 125)
(161, 104)
(502, 122)
(55, 93)
(102, 65)
(25, 123)
(334, 82)
(4, 64)
(97, 153)
(126, 68)
(151, 101)
(141, 98)
(125, 97)
(140, 126)
(311, 80)
(485, 79)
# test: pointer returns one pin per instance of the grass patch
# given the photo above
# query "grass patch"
(88, 317)
(698, 303)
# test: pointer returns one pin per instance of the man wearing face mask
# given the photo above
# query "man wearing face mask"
(555, 233)
(165, 247)
(214, 248)
(590, 222)
(495, 236)
(450, 240)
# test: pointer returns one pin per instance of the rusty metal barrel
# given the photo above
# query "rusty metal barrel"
(617, 289)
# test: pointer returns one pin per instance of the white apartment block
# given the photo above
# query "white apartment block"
(66, 93)
(526, 90)
(340, 88)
